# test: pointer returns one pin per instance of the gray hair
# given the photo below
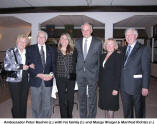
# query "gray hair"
(41, 31)
(87, 23)
(132, 29)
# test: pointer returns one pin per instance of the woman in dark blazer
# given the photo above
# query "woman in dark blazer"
(65, 75)
(14, 61)
(109, 78)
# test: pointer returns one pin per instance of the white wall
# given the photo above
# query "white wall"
(153, 69)
(35, 19)
(9, 35)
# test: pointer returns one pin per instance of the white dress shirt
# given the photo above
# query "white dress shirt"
(44, 48)
(132, 46)
(23, 56)
(103, 64)
(89, 40)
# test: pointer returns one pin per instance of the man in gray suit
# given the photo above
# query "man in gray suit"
(87, 68)
(135, 75)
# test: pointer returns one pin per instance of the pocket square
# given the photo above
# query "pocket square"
(138, 76)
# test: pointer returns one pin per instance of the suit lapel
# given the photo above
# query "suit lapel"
(38, 53)
(47, 54)
(81, 45)
(91, 47)
(133, 53)
(123, 53)
(102, 60)
(37, 49)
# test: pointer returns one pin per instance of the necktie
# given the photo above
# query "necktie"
(85, 49)
(42, 56)
(127, 54)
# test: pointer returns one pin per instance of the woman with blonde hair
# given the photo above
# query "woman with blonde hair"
(109, 78)
(17, 76)
(65, 74)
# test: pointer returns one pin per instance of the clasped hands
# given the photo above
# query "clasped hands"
(26, 67)
(45, 77)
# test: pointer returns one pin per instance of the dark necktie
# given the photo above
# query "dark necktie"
(127, 54)
(42, 56)
(85, 49)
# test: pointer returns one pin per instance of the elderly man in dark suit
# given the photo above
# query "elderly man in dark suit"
(41, 76)
(89, 49)
(135, 75)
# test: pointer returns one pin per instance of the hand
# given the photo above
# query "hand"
(41, 76)
(114, 92)
(47, 77)
(25, 67)
(144, 92)
(32, 66)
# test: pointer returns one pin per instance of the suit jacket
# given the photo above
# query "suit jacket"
(92, 61)
(33, 57)
(10, 64)
(109, 75)
(135, 74)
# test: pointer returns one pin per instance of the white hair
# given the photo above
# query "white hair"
(41, 31)
(87, 23)
(132, 29)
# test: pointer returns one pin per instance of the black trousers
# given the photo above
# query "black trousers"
(66, 96)
(133, 103)
(19, 95)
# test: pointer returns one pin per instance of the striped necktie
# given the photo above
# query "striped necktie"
(42, 56)
(127, 54)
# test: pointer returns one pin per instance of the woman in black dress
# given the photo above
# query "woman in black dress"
(109, 78)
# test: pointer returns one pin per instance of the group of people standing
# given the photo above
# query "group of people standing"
(113, 70)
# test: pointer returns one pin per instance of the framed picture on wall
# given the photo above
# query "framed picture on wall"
(50, 29)
(119, 42)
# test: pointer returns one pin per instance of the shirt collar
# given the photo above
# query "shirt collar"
(132, 45)
(23, 53)
(42, 45)
(89, 38)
